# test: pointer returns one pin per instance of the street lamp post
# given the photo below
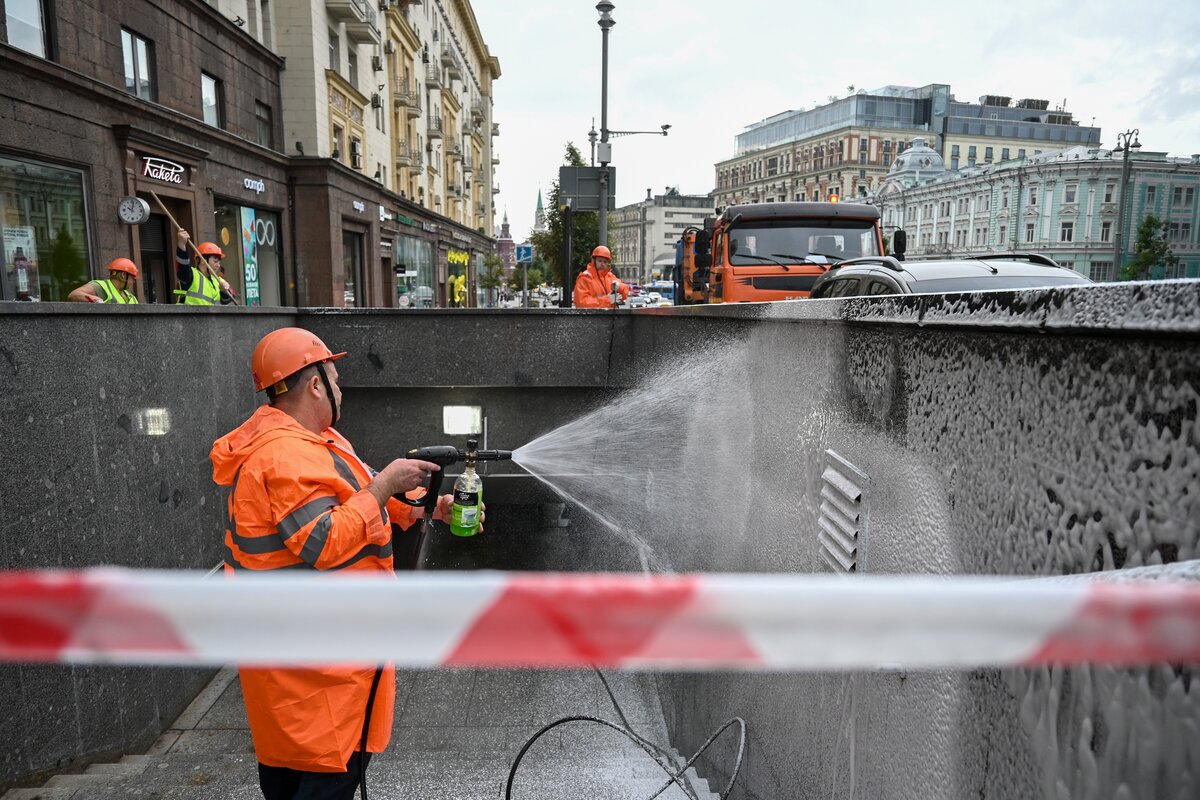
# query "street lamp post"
(1124, 146)
(606, 22)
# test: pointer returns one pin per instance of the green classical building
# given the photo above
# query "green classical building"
(1062, 203)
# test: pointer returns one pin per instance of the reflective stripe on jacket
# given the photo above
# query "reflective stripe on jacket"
(593, 289)
(110, 293)
(297, 501)
(204, 290)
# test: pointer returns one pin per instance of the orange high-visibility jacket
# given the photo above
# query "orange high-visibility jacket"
(297, 502)
(593, 289)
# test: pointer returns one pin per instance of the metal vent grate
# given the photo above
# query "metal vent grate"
(843, 519)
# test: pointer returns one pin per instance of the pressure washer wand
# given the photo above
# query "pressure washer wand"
(444, 456)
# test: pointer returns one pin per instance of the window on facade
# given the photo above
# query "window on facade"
(1185, 231)
(1002, 235)
(987, 154)
(954, 150)
(1004, 154)
(1189, 196)
(1021, 153)
(1106, 231)
(1101, 271)
(953, 162)
(43, 231)
(1151, 192)
(26, 20)
(352, 66)
(1108, 192)
(335, 52)
(1029, 232)
(1173, 232)
(212, 98)
(1033, 193)
(339, 142)
(139, 65)
(1066, 232)
(264, 132)
(264, 21)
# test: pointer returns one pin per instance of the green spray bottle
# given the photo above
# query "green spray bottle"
(467, 511)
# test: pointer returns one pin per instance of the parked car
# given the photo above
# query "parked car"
(879, 275)
(638, 302)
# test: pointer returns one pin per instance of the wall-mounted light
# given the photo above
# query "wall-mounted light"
(462, 420)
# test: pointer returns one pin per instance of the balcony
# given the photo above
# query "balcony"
(477, 110)
(348, 10)
(435, 127)
(496, 188)
(455, 152)
(417, 158)
(404, 154)
(406, 98)
(451, 62)
(468, 164)
(360, 19)
(433, 75)
(481, 209)
(495, 160)
(467, 128)
(495, 129)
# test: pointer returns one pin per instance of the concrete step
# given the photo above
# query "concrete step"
(61, 793)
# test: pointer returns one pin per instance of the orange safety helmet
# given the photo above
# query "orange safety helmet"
(209, 249)
(284, 352)
(123, 265)
(603, 252)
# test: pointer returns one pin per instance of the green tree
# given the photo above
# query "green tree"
(492, 276)
(585, 228)
(1152, 250)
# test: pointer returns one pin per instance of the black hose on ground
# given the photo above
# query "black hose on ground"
(659, 754)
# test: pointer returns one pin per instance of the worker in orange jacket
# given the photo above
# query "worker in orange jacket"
(301, 499)
(596, 286)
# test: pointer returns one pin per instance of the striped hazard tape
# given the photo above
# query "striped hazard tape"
(491, 619)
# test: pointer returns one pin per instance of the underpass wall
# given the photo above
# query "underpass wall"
(1042, 433)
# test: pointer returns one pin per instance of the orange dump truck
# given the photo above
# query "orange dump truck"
(771, 251)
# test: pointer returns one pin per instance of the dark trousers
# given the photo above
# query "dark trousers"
(281, 783)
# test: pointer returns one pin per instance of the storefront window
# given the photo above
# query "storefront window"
(44, 228)
(414, 272)
(253, 260)
(456, 283)
(352, 261)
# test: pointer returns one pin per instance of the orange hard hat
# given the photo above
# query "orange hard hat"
(284, 352)
(603, 252)
(210, 249)
(123, 265)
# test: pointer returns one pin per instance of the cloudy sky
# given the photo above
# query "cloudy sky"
(710, 68)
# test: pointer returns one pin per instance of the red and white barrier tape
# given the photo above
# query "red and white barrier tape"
(492, 619)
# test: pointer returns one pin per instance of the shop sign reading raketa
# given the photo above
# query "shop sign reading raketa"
(160, 169)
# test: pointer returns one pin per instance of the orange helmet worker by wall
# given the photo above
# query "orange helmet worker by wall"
(117, 288)
(594, 286)
(300, 498)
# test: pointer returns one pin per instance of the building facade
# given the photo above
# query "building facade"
(847, 146)
(187, 105)
(1062, 203)
(644, 234)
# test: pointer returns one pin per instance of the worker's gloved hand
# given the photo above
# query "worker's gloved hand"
(181, 239)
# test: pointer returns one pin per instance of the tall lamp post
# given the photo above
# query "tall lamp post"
(1124, 146)
(606, 22)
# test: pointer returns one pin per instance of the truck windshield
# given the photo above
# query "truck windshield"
(793, 241)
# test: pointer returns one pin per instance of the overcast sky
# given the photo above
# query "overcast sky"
(711, 68)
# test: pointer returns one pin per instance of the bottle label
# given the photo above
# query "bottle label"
(464, 514)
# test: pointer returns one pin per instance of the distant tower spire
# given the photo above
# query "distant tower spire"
(505, 233)
(539, 217)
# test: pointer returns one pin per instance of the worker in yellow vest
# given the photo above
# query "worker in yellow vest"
(118, 288)
(204, 285)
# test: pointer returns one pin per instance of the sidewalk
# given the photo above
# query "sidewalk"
(456, 735)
